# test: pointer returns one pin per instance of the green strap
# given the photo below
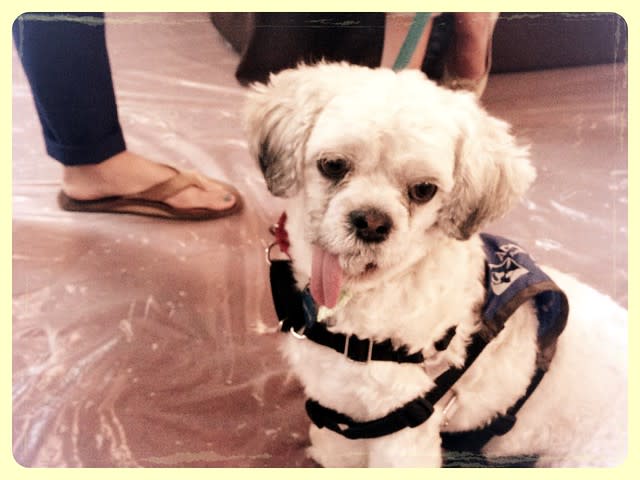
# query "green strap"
(410, 42)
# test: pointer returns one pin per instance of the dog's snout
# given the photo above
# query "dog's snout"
(371, 225)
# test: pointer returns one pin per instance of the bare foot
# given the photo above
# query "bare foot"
(128, 173)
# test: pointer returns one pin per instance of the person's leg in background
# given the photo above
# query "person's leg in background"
(396, 27)
(66, 62)
(468, 59)
(465, 53)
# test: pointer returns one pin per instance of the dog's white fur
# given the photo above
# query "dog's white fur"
(397, 129)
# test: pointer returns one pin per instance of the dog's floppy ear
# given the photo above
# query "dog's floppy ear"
(279, 117)
(491, 173)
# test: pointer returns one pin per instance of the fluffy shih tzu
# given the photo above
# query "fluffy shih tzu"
(420, 341)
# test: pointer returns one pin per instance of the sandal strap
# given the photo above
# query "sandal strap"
(174, 185)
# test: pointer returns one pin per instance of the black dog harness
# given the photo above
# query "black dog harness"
(511, 278)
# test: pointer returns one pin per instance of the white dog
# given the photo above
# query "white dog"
(389, 177)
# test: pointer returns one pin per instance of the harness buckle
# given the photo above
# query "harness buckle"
(278, 231)
(299, 334)
(268, 253)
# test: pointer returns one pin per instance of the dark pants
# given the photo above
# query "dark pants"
(65, 59)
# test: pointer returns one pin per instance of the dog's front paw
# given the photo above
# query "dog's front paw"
(332, 450)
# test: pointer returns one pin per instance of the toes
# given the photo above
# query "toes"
(215, 196)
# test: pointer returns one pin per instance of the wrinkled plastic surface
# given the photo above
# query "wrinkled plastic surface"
(144, 342)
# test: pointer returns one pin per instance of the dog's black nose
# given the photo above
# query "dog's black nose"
(371, 225)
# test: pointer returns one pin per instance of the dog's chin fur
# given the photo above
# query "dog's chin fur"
(395, 130)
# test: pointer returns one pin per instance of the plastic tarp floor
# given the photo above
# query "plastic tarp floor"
(146, 342)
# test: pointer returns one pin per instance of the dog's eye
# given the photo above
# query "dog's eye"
(334, 169)
(422, 192)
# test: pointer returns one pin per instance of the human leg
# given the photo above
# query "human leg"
(396, 28)
(468, 59)
(66, 62)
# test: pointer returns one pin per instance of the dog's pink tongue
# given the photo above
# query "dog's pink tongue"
(326, 277)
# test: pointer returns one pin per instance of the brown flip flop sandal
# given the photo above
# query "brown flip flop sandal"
(152, 201)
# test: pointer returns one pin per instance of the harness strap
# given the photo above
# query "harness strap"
(411, 414)
(287, 299)
(446, 380)
(296, 312)
(292, 307)
(474, 440)
(360, 350)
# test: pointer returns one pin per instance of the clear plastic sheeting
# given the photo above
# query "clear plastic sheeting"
(146, 342)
